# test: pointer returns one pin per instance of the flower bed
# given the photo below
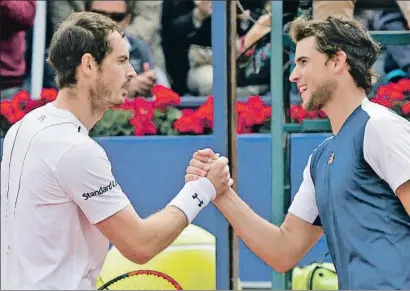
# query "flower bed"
(161, 115)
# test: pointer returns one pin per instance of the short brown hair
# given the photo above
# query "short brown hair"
(80, 33)
(341, 34)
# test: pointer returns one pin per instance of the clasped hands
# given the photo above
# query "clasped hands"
(206, 163)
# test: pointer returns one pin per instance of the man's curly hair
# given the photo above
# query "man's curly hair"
(341, 34)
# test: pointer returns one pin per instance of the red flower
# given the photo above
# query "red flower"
(205, 112)
(394, 91)
(297, 112)
(383, 90)
(127, 105)
(322, 114)
(406, 108)
(143, 107)
(241, 107)
(243, 124)
(164, 96)
(49, 94)
(255, 102)
(206, 109)
(385, 102)
(397, 95)
(188, 112)
(20, 97)
(5, 107)
(311, 114)
(189, 123)
(256, 113)
(143, 115)
(403, 85)
(13, 109)
(33, 104)
(252, 112)
(143, 125)
(267, 111)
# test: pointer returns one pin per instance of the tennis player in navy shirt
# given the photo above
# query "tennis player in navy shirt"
(356, 184)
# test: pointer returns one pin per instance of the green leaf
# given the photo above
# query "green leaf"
(172, 131)
(165, 126)
(128, 131)
(159, 114)
(173, 113)
(122, 116)
(113, 123)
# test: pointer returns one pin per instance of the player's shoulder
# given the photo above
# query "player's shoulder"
(86, 148)
(378, 113)
(382, 119)
(58, 132)
(54, 128)
(85, 154)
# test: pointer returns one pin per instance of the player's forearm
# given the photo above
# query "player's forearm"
(266, 240)
(139, 240)
(160, 230)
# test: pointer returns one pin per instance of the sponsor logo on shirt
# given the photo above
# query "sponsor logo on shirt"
(100, 191)
(331, 159)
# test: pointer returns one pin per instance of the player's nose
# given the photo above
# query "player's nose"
(294, 76)
(131, 72)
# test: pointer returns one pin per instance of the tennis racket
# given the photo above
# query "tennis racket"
(142, 280)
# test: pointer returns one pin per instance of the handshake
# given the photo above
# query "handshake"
(207, 177)
(205, 163)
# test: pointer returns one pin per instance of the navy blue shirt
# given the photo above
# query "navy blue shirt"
(349, 188)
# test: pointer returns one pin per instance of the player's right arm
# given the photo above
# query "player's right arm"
(84, 173)
(283, 246)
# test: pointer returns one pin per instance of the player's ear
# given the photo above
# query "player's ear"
(88, 64)
(339, 61)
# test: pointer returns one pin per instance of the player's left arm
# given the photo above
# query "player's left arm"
(386, 148)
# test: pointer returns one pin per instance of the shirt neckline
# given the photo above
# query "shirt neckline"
(67, 114)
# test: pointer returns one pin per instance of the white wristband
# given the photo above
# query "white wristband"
(194, 197)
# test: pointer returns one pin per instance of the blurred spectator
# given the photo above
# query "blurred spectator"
(397, 61)
(146, 25)
(182, 24)
(323, 9)
(16, 17)
(140, 54)
(186, 41)
(200, 73)
(253, 73)
(397, 57)
(57, 11)
(255, 50)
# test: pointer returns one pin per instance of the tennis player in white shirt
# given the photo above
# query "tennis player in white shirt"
(61, 204)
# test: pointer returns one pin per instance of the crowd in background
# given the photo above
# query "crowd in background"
(170, 41)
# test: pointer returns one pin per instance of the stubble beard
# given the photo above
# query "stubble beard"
(101, 96)
(322, 96)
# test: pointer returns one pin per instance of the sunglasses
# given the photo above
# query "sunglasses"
(116, 16)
